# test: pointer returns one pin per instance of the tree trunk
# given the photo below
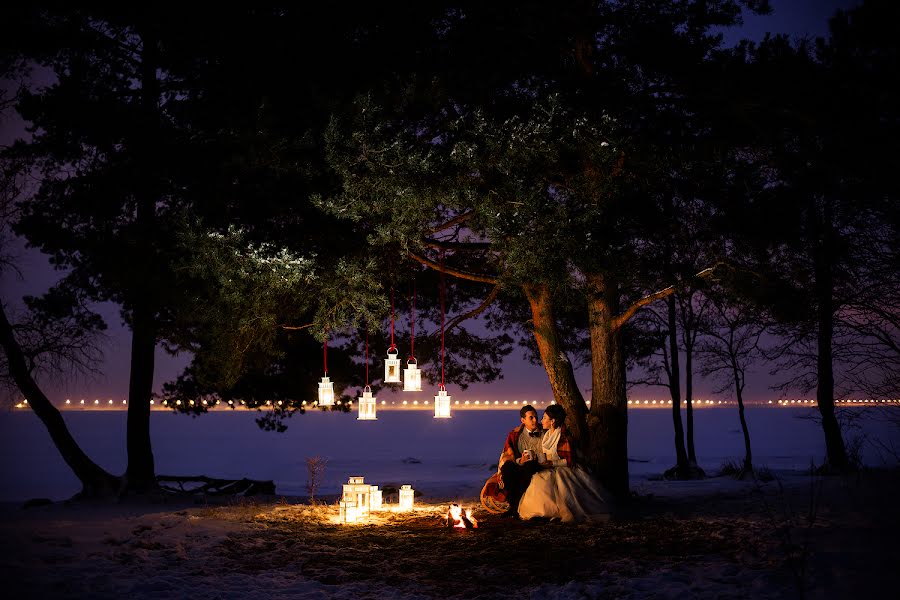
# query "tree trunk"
(675, 390)
(739, 394)
(95, 482)
(556, 363)
(824, 284)
(140, 475)
(608, 419)
(689, 401)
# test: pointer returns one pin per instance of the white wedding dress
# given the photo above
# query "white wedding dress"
(570, 494)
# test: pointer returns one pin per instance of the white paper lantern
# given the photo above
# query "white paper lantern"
(348, 512)
(442, 404)
(326, 392)
(392, 367)
(407, 495)
(412, 377)
(367, 406)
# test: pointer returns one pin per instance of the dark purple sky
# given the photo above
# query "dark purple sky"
(522, 381)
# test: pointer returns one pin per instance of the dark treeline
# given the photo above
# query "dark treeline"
(603, 182)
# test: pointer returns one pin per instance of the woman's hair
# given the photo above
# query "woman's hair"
(557, 414)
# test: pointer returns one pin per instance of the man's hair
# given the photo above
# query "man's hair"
(557, 413)
(526, 409)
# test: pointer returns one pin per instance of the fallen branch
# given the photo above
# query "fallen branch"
(208, 486)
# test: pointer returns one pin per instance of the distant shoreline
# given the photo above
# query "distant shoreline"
(110, 405)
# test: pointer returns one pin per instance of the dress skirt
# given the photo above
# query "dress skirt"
(570, 494)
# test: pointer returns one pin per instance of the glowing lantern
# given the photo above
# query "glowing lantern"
(392, 363)
(407, 494)
(392, 366)
(375, 498)
(326, 386)
(367, 406)
(326, 392)
(359, 493)
(442, 404)
(412, 377)
(348, 512)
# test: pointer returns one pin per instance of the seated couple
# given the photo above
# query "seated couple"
(539, 473)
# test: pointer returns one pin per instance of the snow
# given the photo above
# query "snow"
(714, 538)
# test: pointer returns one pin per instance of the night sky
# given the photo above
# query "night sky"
(523, 381)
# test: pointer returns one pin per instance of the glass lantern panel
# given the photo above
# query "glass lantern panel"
(392, 368)
(326, 392)
(412, 380)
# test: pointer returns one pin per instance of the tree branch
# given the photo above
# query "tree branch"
(664, 293)
(458, 246)
(474, 312)
(295, 327)
(454, 272)
(454, 221)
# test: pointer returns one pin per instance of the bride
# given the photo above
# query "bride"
(562, 489)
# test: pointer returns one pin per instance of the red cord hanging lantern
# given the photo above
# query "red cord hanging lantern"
(326, 387)
(367, 402)
(412, 376)
(392, 362)
(442, 400)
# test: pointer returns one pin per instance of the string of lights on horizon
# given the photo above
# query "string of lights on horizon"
(111, 404)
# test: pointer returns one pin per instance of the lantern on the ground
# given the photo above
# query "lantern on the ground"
(367, 406)
(326, 392)
(407, 494)
(348, 512)
(412, 377)
(375, 498)
(359, 493)
(392, 366)
(442, 404)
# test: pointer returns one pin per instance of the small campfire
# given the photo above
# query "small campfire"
(459, 519)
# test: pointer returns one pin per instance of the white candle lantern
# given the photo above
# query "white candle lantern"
(375, 498)
(442, 404)
(367, 406)
(412, 377)
(392, 367)
(326, 392)
(348, 511)
(359, 493)
(407, 494)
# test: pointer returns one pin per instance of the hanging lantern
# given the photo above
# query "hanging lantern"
(326, 386)
(407, 495)
(367, 406)
(442, 400)
(442, 404)
(326, 392)
(392, 366)
(412, 377)
(348, 512)
(392, 362)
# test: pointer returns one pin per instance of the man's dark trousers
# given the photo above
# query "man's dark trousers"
(516, 478)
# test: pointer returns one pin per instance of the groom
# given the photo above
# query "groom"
(519, 459)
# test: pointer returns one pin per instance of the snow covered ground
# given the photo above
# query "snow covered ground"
(715, 538)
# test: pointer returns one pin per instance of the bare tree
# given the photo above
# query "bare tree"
(730, 344)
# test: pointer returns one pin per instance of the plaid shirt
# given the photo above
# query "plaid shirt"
(511, 447)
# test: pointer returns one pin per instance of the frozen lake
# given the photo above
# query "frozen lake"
(435, 456)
